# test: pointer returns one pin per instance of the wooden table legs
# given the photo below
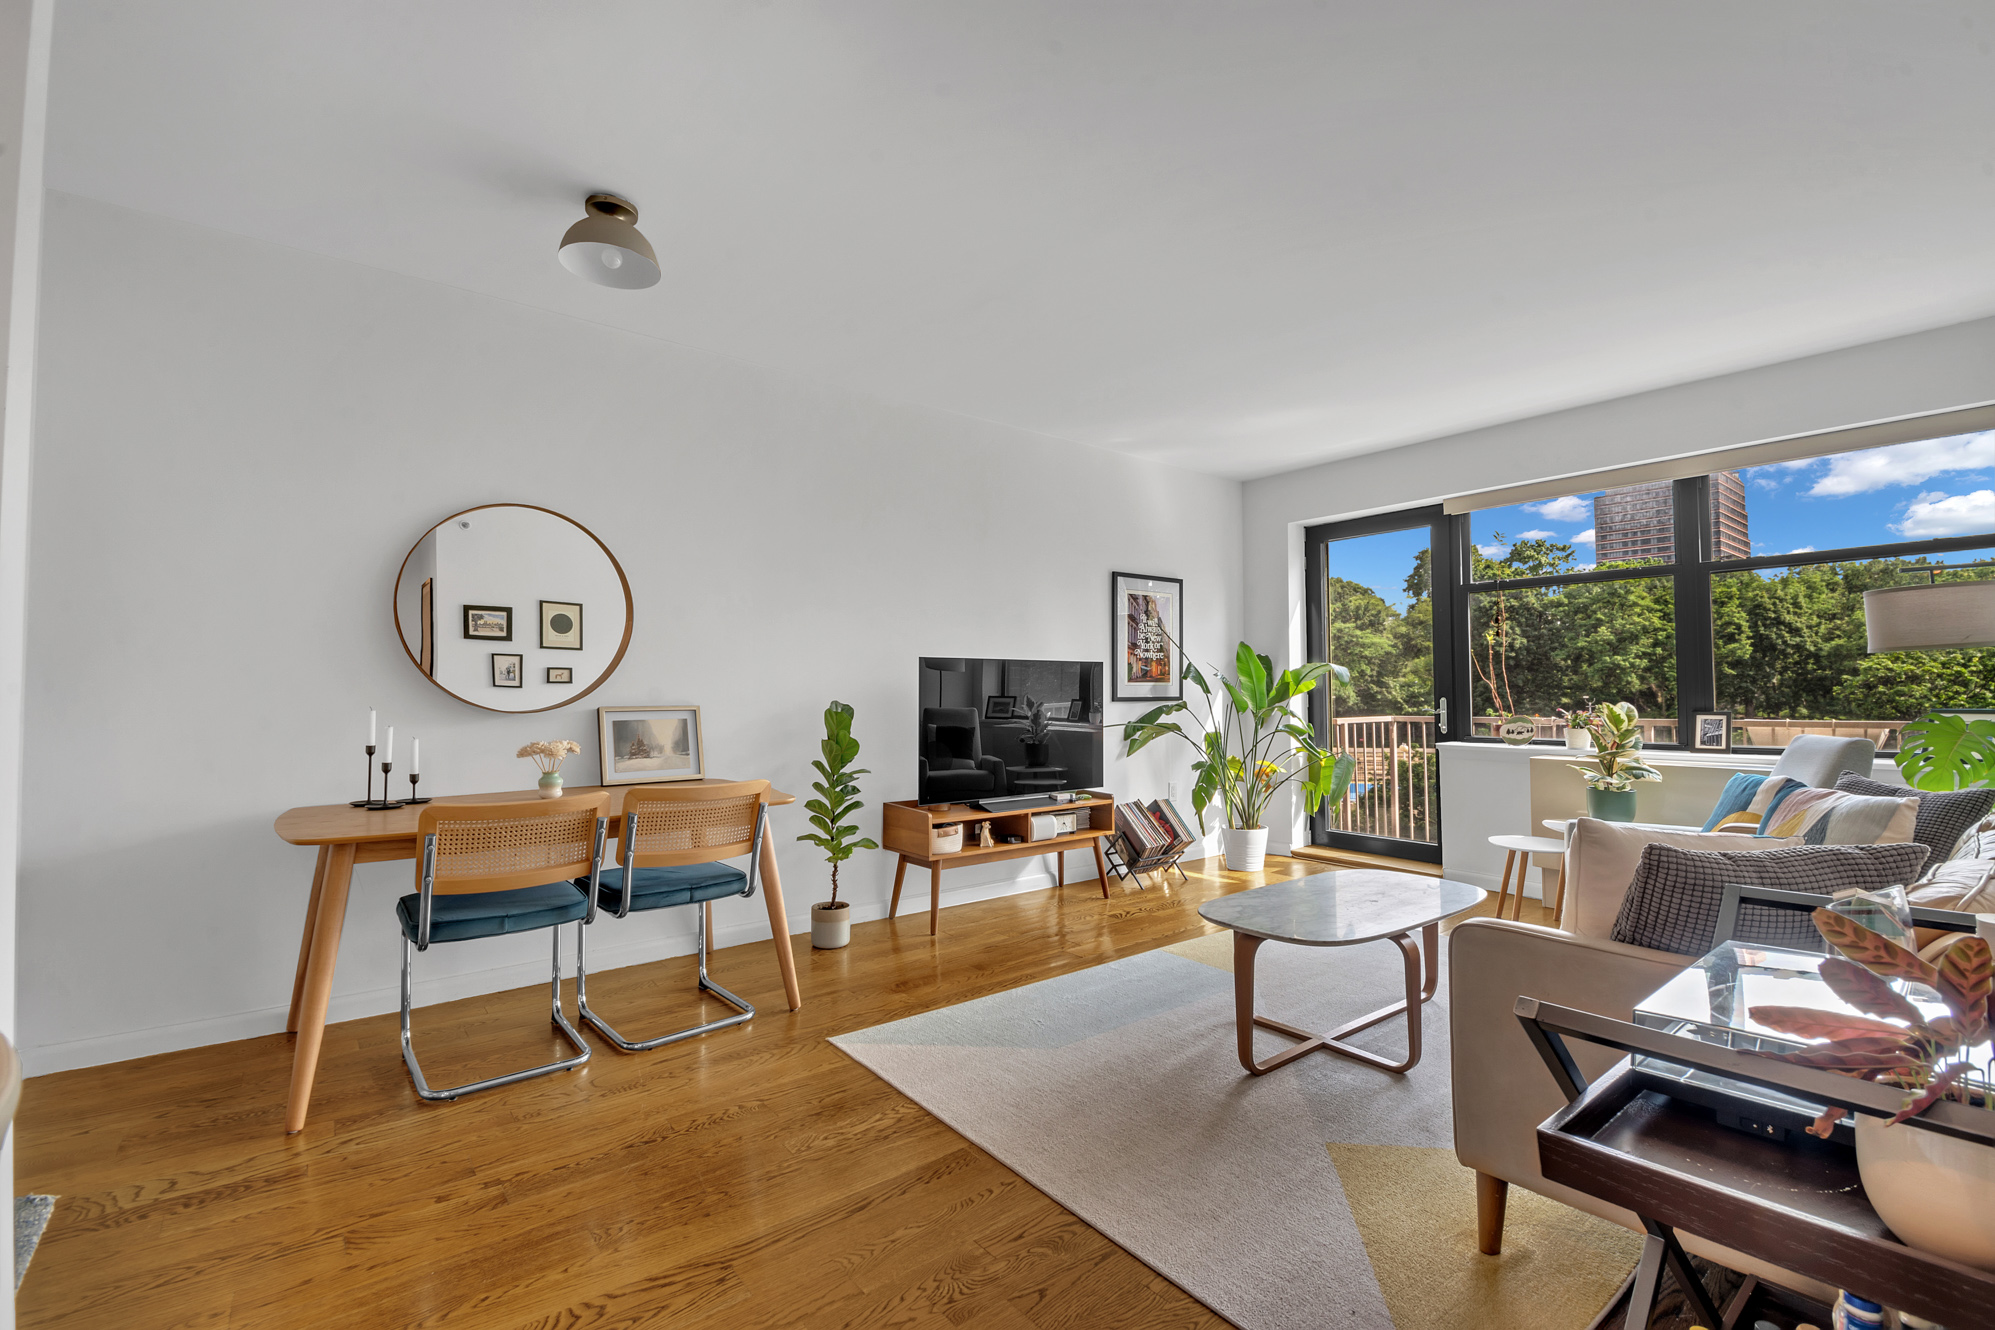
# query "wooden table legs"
(1417, 995)
(779, 923)
(900, 872)
(1101, 867)
(325, 917)
(934, 899)
(305, 938)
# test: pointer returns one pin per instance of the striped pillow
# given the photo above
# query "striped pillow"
(1831, 817)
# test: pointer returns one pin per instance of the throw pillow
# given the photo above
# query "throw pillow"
(1944, 815)
(1735, 797)
(1771, 793)
(1672, 905)
(1830, 817)
(1601, 858)
(1957, 884)
(1977, 842)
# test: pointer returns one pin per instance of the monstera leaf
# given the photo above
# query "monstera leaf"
(1941, 752)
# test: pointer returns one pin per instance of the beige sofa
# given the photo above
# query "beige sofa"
(1502, 1090)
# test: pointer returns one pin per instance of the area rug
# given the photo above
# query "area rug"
(1324, 1194)
(31, 1216)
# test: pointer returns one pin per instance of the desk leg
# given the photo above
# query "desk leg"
(1244, 948)
(1061, 859)
(779, 923)
(934, 899)
(305, 938)
(1100, 866)
(328, 920)
(900, 872)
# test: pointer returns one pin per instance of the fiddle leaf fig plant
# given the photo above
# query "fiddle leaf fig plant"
(1943, 752)
(837, 794)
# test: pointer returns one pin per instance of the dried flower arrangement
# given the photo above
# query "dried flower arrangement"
(1926, 1055)
(547, 754)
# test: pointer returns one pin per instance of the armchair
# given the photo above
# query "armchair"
(954, 765)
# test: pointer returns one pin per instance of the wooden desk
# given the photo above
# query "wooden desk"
(346, 836)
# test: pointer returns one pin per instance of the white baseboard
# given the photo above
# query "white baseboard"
(604, 954)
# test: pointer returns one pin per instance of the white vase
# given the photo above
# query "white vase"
(1578, 740)
(1246, 847)
(830, 925)
(1936, 1192)
(550, 785)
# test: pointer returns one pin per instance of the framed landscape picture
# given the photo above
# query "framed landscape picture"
(1146, 663)
(999, 706)
(1711, 731)
(508, 670)
(645, 745)
(560, 625)
(491, 623)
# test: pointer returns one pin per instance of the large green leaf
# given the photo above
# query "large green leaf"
(1942, 752)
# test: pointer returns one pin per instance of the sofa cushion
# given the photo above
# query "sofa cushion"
(1601, 858)
(1772, 791)
(1735, 797)
(1672, 903)
(1957, 884)
(665, 886)
(1831, 817)
(457, 918)
(1977, 842)
(1944, 815)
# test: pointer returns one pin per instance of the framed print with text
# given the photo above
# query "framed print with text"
(1146, 663)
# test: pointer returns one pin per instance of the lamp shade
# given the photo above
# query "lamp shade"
(606, 247)
(1939, 617)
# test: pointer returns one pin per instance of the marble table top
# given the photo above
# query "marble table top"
(1340, 908)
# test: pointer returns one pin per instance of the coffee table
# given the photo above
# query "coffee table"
(1340, 909)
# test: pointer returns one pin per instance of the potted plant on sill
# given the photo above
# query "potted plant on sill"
(1251, 743)
(1038, 734)
(1617, 761)
(1937, 1193)
(837, 799)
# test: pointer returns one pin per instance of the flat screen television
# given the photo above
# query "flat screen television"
(975, 730)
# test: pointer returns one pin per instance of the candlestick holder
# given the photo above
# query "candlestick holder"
(384, 803)
(413, 799)
(369, 800)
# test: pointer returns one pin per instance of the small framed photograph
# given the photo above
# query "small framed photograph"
(508, 670)
(646, 745)
(560, 625)
(999, 706)
(1077, 710)
(492, 623)
(561, 674)
(1711, 731)
(1148, 613)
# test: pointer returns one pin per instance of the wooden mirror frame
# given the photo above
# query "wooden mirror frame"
(629, 611)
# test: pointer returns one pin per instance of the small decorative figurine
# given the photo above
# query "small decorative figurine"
(984, 835)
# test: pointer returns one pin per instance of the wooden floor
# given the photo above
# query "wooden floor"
(754, 1178)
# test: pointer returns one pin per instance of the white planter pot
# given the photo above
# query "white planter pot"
(830, 926)
(1579, 740)
(1936, 1192)
(1246, 847)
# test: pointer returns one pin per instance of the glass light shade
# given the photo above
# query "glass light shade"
(1941, 617)
(609, 252)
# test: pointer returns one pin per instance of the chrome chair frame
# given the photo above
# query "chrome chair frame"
(744, 1009)
(421, 943)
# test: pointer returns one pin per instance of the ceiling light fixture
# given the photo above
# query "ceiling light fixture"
(1936, 616)
(606, 247)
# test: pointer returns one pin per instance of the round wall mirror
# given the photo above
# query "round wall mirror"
(513, 608)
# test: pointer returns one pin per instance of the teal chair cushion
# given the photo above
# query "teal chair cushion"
(662, 888)
(1736, 797)
(490, 913)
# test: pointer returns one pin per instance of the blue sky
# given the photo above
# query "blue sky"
(1906, 491)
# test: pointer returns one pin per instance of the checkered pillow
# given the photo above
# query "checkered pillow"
(1944, 816)
(1672, 903)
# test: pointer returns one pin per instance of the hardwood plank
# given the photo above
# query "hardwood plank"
(755, 1177)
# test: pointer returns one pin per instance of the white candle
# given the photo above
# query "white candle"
(415, 757)
(389, 756)
(370, 727)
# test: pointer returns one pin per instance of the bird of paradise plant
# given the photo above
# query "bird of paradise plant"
(1250, 741)
(1894, 1042)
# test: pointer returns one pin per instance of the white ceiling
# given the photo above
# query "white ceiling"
(1237, 237)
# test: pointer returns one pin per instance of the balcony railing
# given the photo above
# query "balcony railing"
(1747, 731)
(1395, 780)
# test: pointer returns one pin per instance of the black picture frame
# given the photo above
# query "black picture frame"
(1000, 706)
(1702, 722)
(1124, 633)
(561, 674)
(517, 673)
(1077, 710)
(553, 640)
(506, 610)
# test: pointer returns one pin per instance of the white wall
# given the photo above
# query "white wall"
(239, 444)
(1929, 371)
(24, 66)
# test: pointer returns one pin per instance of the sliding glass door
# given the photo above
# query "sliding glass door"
(1378, 609)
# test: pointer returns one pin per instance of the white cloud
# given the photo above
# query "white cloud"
(1905, 464)
(1493, 551)
(1536, 535)
(1584, 538)
(1568, 509)
(1933, 515)
(1765, 483)
(1802, 549)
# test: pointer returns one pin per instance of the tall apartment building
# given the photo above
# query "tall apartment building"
(1635, 521)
